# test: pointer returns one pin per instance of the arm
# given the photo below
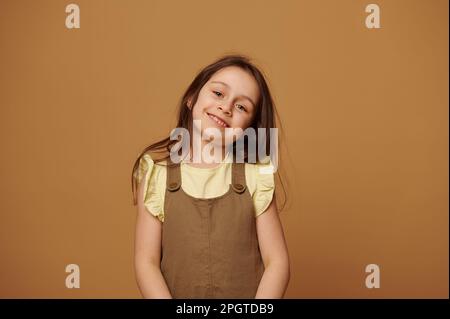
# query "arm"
(147, 251)
(274, 253)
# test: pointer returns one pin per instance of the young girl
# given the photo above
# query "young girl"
(211, 230)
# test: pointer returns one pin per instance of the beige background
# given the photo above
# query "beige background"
(365, 113)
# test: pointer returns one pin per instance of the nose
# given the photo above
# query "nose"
(225, 108)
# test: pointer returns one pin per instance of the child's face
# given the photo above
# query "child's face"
(227, 100)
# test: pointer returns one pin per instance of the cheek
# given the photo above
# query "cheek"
(203, 102)
(243, 121)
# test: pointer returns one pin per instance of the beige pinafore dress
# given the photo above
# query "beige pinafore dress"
(209, 246)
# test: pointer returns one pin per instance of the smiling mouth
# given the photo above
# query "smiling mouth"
(218, 120)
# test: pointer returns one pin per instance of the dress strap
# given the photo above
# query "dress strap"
(173, 181)
(238, 177)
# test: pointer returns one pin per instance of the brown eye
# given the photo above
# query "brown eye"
(241, 107)
(217, 93)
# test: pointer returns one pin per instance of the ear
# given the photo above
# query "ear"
(189, 102)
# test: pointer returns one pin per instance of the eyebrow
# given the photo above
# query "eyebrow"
(244, 96)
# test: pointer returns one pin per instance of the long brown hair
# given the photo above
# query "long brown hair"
(266, 115)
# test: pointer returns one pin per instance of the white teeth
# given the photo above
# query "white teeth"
(217, 120)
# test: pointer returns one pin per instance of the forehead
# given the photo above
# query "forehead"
(237, 80)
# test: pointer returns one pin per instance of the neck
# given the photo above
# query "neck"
(201, 160)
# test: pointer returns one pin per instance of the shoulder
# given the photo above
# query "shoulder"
(259, 172)
(154, 180)
(261, 184)
(149, 168)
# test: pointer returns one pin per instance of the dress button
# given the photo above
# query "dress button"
(173, 185)
(239, 187)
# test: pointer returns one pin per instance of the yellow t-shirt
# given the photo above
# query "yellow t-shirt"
(204, 183)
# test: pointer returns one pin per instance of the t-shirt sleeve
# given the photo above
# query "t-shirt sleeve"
(148, 174)
(264, 188)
